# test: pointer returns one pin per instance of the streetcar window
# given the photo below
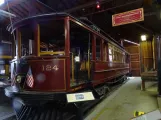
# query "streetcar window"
(52, 37)
(2, 69)
(127, 58)
(110, 58)
(110, 51)
(115, 55)
(98, 48)
(5, 49)
(80, 41)
(105, 52)
(5, 44)
(27, 35)
(118, 55)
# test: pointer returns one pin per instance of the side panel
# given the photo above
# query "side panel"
(49, 75)
(106, 71)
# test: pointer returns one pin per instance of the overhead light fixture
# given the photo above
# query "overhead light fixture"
(98, 4)
(143, 37)
(1, 2)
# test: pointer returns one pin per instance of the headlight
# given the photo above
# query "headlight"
(19, 79)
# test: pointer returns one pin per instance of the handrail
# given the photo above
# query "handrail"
(72, 67)
(48, 52)
(5, 57)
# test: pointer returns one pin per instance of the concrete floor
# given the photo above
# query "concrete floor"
(122, 103)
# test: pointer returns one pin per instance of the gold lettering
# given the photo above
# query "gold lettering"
(43, 68)
(48, 68)
(55, 67)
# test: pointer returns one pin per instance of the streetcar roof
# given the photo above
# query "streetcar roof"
(22, 22)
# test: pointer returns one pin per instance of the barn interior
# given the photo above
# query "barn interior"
(138, 35)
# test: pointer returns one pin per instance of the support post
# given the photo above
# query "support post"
(18, 43)
(122, 42)
(37, 39)
(67, 49)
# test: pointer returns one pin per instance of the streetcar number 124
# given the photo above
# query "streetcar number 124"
(49, 67)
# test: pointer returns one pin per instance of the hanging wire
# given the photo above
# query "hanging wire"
(11, 22)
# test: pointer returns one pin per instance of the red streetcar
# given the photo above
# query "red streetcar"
(57, 54)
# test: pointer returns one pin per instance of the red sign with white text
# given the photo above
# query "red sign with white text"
(128, 17)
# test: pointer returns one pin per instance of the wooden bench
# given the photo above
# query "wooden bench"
(149, 76)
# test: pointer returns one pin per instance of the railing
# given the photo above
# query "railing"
(52, 53)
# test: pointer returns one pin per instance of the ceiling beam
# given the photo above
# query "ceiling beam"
(18, 14)
(23, 9)
(45, 6)
(112, 8)
(11, 3)
(17, 10)
(86, 5)
(64, 4)
(128, 3)
(145, 28)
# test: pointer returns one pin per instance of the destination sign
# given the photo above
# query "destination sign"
(128, 17)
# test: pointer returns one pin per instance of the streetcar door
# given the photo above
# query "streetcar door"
(79, 66)
(79, 54)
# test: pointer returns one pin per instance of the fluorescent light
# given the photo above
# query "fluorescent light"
(1, 2)
(131, 42)
(143, 37)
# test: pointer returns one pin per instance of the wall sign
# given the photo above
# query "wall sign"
(128, 17)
